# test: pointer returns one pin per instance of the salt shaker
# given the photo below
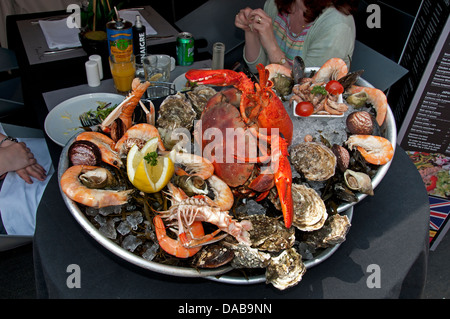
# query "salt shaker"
(92, 74)
(218, 56)
(98, 59)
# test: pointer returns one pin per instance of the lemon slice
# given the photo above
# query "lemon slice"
(145, 176)
(156, 77)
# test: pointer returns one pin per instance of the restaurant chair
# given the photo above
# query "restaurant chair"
(379, 71)
(11, 98)
(8, 242)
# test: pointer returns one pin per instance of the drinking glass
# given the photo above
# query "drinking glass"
(123, 72)
(157, 67)
(218, 56)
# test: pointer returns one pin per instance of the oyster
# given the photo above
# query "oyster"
(285, 270)
(176, 112)
(199, 96)
(310, 212)
(248, 257)
(332, 233)
(314, 160)
(358, 181)
(270, 234)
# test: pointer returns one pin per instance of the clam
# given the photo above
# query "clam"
(98, 178)
(314, 160)
(358, 181)
(358, 99)
(360, 122)
(84, 153)
(342, 157)
(191, 184)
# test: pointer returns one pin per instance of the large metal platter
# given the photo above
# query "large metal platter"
(222, 274)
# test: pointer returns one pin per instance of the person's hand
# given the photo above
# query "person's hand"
(261, 23)
(18, 157)
(242, 20)
(34, 170)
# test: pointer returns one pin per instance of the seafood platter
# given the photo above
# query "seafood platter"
(250, 183)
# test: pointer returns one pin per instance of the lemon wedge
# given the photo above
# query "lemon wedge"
(149, 176)
(156, 77)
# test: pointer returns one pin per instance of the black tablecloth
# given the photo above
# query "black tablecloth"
(389, 232)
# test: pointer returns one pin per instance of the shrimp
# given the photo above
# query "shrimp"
(106, 146)
(137, 134)
(223, 196)
(375, 149)
(97, 198)
(124, 110)
(172, 246)
(376, 97)
(333, 69)
(195, 164)
(276, 69)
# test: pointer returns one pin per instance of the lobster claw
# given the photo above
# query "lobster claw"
(283, 183)
(214, 77)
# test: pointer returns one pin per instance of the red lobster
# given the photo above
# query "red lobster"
(249, 107)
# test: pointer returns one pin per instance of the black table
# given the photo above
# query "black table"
(389, 231)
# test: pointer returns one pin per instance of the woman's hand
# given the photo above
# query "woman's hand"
(18, 157)
(262, 25)
(242, 19)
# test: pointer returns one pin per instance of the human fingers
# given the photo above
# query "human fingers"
(241, 21)
(24, 175)
(36, 171)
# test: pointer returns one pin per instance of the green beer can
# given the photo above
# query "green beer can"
(185, 49)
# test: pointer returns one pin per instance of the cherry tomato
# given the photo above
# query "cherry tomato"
(304, 109)
(334, 87)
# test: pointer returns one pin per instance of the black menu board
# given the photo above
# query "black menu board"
(425, 133)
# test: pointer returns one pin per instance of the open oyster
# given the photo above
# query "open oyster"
(332, 233)
(314, 160)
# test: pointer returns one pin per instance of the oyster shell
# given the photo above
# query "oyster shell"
(285, 270)
(199, 96)
(358, 181)
(176, 111)
(270, 234)
(310, 212)
(332, 233)
(315, 161)
(248, 257)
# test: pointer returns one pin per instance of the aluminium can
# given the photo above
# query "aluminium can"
(120, 39)
(185, 48)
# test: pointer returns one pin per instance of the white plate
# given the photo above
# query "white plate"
(63, 120)
(180, 83)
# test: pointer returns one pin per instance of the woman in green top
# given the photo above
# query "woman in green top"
(316, 30)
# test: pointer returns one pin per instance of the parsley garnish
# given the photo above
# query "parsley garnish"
(319, 90)
(152, 158)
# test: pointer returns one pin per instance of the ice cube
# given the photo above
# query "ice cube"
(151, 251)
(134, 219)
(124, 228)
(108, 210)
(131, 242)
(108, 230)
